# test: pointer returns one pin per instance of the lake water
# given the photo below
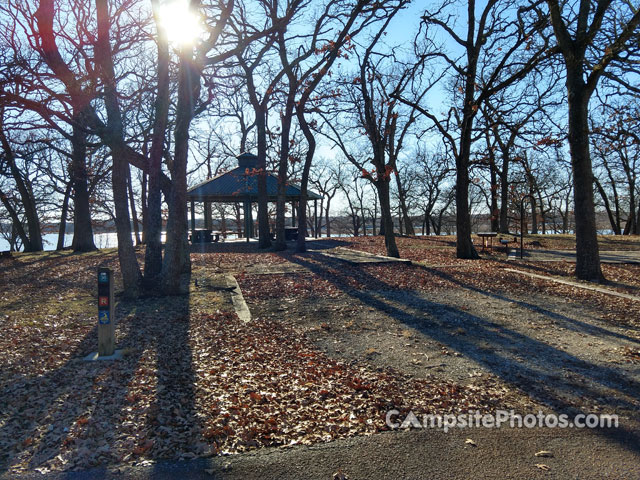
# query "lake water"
(50, 240)
(102, 240)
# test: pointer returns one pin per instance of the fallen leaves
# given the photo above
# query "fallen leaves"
(199, 384)
(340, 475)
(196, 384)
(143, 448)
(631, 355)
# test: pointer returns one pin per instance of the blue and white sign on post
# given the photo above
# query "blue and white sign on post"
(106, 327)
(103, 317)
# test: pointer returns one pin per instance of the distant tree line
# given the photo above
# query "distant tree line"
(104, 117)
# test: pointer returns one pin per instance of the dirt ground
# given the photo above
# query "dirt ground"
(331, 347)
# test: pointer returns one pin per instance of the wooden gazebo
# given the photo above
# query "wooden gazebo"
(241, 185)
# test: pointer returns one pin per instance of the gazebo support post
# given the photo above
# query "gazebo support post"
(247, 219)
(251, 232)
(293, 213)
(207, 216)
(315, 218)
(193, 218)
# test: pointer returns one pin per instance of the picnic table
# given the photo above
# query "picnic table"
(204, 236)
(290, 233)
(484, 236)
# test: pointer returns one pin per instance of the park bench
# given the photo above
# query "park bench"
(290, 234)
(506, 241)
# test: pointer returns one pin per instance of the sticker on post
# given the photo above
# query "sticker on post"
(103, 301)
(103, 317)
(103, 277)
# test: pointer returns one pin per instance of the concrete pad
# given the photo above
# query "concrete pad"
(533, 255)
(94, 357)
(594, 288)
(359, 257)
(239, 304)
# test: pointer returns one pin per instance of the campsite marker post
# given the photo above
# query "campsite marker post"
(106, 319)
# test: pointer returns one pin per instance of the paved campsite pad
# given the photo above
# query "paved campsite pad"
(574, 283)
(224, 284)
(560, 356)
(505, 454)
(360, 257)
(546, 255)
(195, 380)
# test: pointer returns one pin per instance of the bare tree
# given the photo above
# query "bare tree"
(617, 158)
(386, 124)
(326, 180)
(497, 47)
(33, 241)
(590, 36)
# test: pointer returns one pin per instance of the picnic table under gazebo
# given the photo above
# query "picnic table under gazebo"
(240, 185)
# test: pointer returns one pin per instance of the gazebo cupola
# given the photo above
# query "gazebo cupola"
(247, 160)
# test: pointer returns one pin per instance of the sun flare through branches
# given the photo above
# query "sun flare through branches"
(181, 24)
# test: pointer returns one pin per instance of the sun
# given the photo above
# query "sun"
(181, 24)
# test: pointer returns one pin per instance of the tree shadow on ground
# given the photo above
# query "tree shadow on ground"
(567, 322)
(552, 269)
(552, 377)
(94, 409)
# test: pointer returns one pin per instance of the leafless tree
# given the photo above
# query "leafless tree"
(590, 36)
(495, 47)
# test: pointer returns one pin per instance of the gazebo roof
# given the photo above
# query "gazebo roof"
(241, 184)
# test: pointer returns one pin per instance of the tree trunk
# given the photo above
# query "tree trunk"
(177, 260)
(363, 218)
(464, 245)
(587, 254)
(631, 226)
(264, 238)
(504, 196)
(327, 218)
(17, 226)
(131, 276)
(132, 205)
(406, 219)
(82, 228)
(495, 211)
(120, 162)
(615, 227)
(374, 218)
(62, 230)
(153, 227)
(301, 244)
(26, 196)
(534, 218)
(565, 216)
(143, 206)
(387, 220)
(283, 164)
